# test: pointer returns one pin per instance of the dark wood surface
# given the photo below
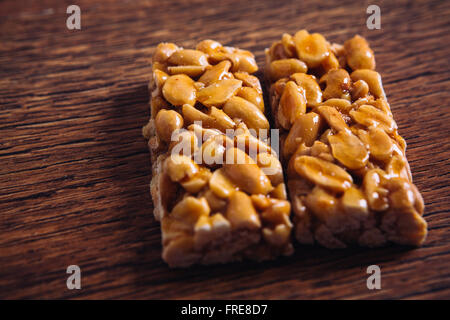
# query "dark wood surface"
(74, 169)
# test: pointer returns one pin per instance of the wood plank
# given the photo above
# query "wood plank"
(75, 170)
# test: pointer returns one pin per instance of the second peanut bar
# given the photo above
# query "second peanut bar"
(207, 108)
(348, 177)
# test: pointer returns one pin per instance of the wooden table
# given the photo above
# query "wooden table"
(74, 169)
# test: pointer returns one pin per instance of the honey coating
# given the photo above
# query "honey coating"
(347, 173)
(213, 210)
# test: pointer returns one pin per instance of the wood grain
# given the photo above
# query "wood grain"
(74, 169)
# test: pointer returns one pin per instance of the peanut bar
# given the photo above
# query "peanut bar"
(348, 178)
(207, 108)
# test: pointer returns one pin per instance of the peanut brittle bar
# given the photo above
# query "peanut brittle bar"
(211, 191)
(348, 178)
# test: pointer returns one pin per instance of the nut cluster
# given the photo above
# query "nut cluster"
(348, 178)
(213, 211)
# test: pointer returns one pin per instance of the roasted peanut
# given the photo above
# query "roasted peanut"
(190, 209)
(187, 57)
(245, 173)
(248, 80)
(277, 51)
(338, 84)
(324, 136)
(359, 90)
(239, 108)
(323, 173)
(401, 195)
(285, 67)
(348, 149)
(322, 203)
(242, 61)
(321, 150)
(166, 123)
(342, 105)
(278, 86)
(277, 213)
(208, 229)
(354, 203)
(319, 147)
(330, 62)
(163, 52)
(370, 116)
(197, 182)
(288, 43)
(271, 166)
(221, 184)
(250, 144)
(208, 46)
(159, 78)
(159, 66)
(384, 106)
(373, 80)
(333, 117)
(302, 150)
(203, 133)
(358, 53)
(191, 114)
(216, 118)
(309, 83)
(403, 223)
(241, 213)
(173, 228)
(260, 201)
(376, 195)
(215, 203)
(396, 168)
(311, 48)
(179, 89)
(292, 104)
(221, 120)
(216, 73)
(337, 49)
(191, 71)
(213, 150)
(378, 142)
(180, 167)
(215, 224)
(219, 92)
(251, 95)
(279, 192)
(305, 130)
